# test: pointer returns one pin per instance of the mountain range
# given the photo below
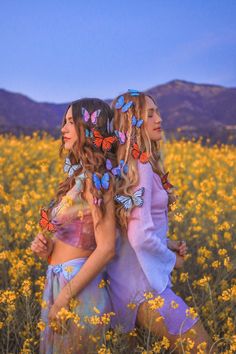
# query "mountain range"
(188, 110)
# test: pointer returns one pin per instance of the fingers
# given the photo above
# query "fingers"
(183, 249)
(42, 239)
(38, 246)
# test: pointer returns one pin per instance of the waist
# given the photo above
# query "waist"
(63, 252)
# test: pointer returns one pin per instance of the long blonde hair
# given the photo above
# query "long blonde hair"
(123, 123)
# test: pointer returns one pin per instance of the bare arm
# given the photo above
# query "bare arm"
(104, 252)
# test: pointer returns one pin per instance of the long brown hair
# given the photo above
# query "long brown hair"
(91, 158)
(123, 123)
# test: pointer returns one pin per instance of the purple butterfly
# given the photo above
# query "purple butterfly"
(93, 116)
(116, 171)
(121, 136)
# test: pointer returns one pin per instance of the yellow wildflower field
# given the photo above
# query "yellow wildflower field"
(204, 216)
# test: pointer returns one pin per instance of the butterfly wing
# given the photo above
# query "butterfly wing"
(137, 197)
(120, 102)
(133, 92)
(108, 164)
(134, 121)
(85, 114)
(72, 170)
(125, 201)
(105, 181)
(121, 136)
(127, 106)
(139, 123)
(44, 219)
(107, 143)
(51, 227)
(116, 171)
(96, 181)
(95, 115)
(97, 138)
(67, 165)
(144, 157)
(135, 151)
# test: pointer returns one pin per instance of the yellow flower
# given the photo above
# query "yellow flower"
(191, 313)
(131, 306)
(174, 305)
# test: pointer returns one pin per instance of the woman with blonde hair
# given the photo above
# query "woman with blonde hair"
(140, 273)
(82, 220)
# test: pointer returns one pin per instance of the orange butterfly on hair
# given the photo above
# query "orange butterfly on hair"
(104, 143)
(137, 154)
(166, 184)
(45, 223)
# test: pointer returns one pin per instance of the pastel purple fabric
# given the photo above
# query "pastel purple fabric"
(143, 262)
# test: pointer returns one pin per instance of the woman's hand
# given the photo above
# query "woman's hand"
(178, 246)
(179, 261)
(53, 317)
(42, 246)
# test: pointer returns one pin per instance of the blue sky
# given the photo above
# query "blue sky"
(61, 50)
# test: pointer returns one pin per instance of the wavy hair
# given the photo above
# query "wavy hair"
(123, 122)
(91, 158)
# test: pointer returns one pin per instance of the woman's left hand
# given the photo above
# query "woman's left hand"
(178, 246)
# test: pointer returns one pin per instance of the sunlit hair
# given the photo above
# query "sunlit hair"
(84, 151)
(123, 122)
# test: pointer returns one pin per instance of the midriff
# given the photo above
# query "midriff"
(63, 252)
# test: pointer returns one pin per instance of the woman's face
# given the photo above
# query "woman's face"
(68, 131)
(153, 123)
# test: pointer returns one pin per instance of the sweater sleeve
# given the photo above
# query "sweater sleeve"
(156, 260)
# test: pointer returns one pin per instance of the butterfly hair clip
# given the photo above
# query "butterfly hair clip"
(45, 223)
(69, 168)
(137, 154)
(133, 92)
(121, 104)
(121, 136)
(93, 116)
(166, 184)
(101, 142)
(129, 201)
(102, 182)
(137, 122)
(116, 171)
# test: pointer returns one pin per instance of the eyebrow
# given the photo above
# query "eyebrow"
(70, 118)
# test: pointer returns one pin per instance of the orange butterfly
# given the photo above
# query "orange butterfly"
(104, 143)
(166, 184)
(45, 223)
(137, 154)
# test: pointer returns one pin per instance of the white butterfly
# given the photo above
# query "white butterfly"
(128, 201)
(69, 168)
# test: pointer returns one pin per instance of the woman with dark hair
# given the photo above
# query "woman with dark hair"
(83, 239)
(140, 273)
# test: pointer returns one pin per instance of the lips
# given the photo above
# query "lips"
(66, 138)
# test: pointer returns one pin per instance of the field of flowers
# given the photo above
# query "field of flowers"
(204, 216)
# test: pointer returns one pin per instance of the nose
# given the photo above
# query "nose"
(63, 129)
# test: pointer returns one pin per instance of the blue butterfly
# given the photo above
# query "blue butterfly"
(128, 201)
(69, 168)
(116, 171)
(137, 122)
(88, 133)
(103, 182)
(121, 103)
(133, 92)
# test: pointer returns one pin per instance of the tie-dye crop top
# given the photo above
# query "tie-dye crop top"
(73, 220)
